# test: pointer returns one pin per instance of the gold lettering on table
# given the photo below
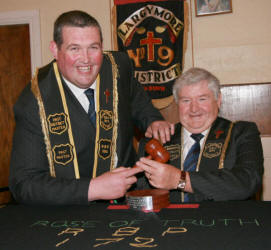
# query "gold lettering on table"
(143, 242)
(73, 231)
(174, 230)
(62, 242)
(108, 241)
(126, 231)
(69, 230)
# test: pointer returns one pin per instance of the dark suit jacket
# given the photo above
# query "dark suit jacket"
(30, 180)
(239, 179)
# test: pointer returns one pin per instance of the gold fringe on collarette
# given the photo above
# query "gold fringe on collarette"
(66, 110)
(115, 73)
(225, 146)
(95, 163)
(201, 151)
(36, 91)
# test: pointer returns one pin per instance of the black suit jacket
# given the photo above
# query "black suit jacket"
(241, 175)
(30, 180)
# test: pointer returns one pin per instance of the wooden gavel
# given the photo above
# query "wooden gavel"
(158, 153)
(139, 199)
(156, 150)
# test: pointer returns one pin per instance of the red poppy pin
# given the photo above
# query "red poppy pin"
(218, 133)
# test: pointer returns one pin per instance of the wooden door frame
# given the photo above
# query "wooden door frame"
(32, 18)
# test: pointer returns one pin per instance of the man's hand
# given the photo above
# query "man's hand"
(160, 175)
(160, 130)
(112, 185)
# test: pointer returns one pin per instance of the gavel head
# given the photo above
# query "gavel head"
(155, 149)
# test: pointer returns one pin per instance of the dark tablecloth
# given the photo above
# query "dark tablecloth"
(214, 225)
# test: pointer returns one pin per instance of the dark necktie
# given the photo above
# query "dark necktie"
(91, 109)
(192, 157)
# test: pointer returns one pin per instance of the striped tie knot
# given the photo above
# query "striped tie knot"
(89, 93)
(197, 137)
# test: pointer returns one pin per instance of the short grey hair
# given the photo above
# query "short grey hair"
(194, 76)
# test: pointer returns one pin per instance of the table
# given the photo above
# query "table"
(213, 225)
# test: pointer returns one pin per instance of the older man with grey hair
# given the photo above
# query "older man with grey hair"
(211, 158)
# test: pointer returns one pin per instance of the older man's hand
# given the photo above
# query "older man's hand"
(160, 175)
(160, 130)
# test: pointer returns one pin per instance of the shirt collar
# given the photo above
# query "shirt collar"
(76, 90)
(187, 134)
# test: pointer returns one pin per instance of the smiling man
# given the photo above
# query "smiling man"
(211, 158)
(74, 129)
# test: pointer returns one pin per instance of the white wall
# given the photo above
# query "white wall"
(49, 10)
(235, 46)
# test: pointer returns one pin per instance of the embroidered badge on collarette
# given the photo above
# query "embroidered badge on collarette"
(57, 123)
(212, 150)
(104, 150)
(174, 151)
(107, 120)
(63, 153)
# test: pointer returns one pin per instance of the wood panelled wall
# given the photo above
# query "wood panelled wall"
(15, 73)
(249, 102)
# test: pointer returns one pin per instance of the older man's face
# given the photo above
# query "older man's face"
(198, 107)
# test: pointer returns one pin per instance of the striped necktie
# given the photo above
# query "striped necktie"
(91, 109)
(192, 157)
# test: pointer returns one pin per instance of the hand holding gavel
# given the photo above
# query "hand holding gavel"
(156, 151)
(160, 197)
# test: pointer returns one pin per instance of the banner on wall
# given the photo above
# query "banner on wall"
(151, 32)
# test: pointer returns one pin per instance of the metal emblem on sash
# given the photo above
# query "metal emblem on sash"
(212, 150)
(104, 148)
(174, 151)
(106, 121)
(57, 123)
(63, 153)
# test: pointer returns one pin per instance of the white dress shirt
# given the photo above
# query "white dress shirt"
(80, 94)
(188, 141)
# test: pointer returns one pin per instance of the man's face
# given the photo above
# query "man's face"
(198, 107)
(80, 56)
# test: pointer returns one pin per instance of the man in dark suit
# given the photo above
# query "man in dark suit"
(74, 121)
(211, 158)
